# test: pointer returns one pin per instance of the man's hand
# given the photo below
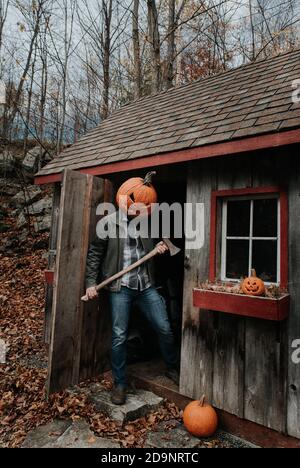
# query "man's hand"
(162, 248)
(91, 293)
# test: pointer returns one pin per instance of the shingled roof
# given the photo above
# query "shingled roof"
(251, 100)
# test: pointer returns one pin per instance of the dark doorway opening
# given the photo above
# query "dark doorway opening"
(144, 358)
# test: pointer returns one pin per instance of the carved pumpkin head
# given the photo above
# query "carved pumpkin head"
(253, 286)
(200, 419)
(137, 195)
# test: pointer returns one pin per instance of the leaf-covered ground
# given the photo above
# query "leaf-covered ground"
(22, 379)
(23, 405)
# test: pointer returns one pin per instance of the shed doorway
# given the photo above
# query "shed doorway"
(80, 332)
(144, 358)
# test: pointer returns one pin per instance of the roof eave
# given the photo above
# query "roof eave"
(270, 140)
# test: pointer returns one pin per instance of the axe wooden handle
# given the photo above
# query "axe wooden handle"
(135, 265)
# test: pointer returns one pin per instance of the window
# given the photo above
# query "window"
(251, 237)
(249, 228)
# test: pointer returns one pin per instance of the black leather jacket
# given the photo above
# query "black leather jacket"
(105, 256)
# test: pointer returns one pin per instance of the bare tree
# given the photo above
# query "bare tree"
(171, 44)
(136, 50)
(97, 25)
(4, 4)
(69, 63)
(269, 28)
(32, 13)
(154, 39)
(106, 51)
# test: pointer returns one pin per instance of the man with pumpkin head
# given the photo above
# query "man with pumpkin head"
(118, 249)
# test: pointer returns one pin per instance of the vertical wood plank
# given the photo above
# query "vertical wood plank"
(198, 328)
(229, 351)
(265, 363)
(96, 325)
(293, 387)
(51, 260)
(73, 234)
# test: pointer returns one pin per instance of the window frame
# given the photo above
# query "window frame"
(250, 237)
(216, 229)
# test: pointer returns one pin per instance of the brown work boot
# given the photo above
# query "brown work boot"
(118, 395)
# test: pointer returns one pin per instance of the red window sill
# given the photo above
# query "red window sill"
(248, 306)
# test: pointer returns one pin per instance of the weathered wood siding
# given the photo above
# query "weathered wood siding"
(243, 365)
(293, 381)
(51, 260)
(75, 352)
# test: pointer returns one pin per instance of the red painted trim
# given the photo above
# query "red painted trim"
(284, 236)
(283, 226)
(49, 276)
(213, 238)
(208, 151)
(246, 191)
(48, 179)
(238, 304)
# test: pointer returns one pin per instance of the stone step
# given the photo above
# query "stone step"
(138, 404)
(46, 434)
(66, 434)
(172, 434)
(79, 435)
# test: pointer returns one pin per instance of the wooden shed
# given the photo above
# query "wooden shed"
(230, 142)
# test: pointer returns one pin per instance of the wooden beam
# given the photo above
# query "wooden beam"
(208, 151)
(52, 260)
(293, 382)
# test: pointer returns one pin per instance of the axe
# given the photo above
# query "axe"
(172, 249)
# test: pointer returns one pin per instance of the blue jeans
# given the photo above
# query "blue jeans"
(152, 305)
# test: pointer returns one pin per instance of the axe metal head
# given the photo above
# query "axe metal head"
(172, 248)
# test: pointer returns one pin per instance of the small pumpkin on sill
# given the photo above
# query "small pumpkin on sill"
(200, 418)
(253, 286)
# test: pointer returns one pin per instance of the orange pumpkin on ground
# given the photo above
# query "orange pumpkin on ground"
(200, 418)
(136, 194)
(253, 286)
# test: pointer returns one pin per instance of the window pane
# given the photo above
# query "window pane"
(264, 260)
(265, 218)
(237, 259)
(238, 218)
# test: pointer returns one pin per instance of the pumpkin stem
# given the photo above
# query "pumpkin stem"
(148, 178)
(202, 401)
(253, 273)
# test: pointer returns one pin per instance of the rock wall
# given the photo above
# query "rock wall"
(25, 209)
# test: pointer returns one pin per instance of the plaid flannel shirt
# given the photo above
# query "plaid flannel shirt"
(137, 279)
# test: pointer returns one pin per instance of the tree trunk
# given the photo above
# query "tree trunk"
(154, 39)
(29, 101)
(27, 66)
(107, 11)
(136, 50)
(171, 46)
